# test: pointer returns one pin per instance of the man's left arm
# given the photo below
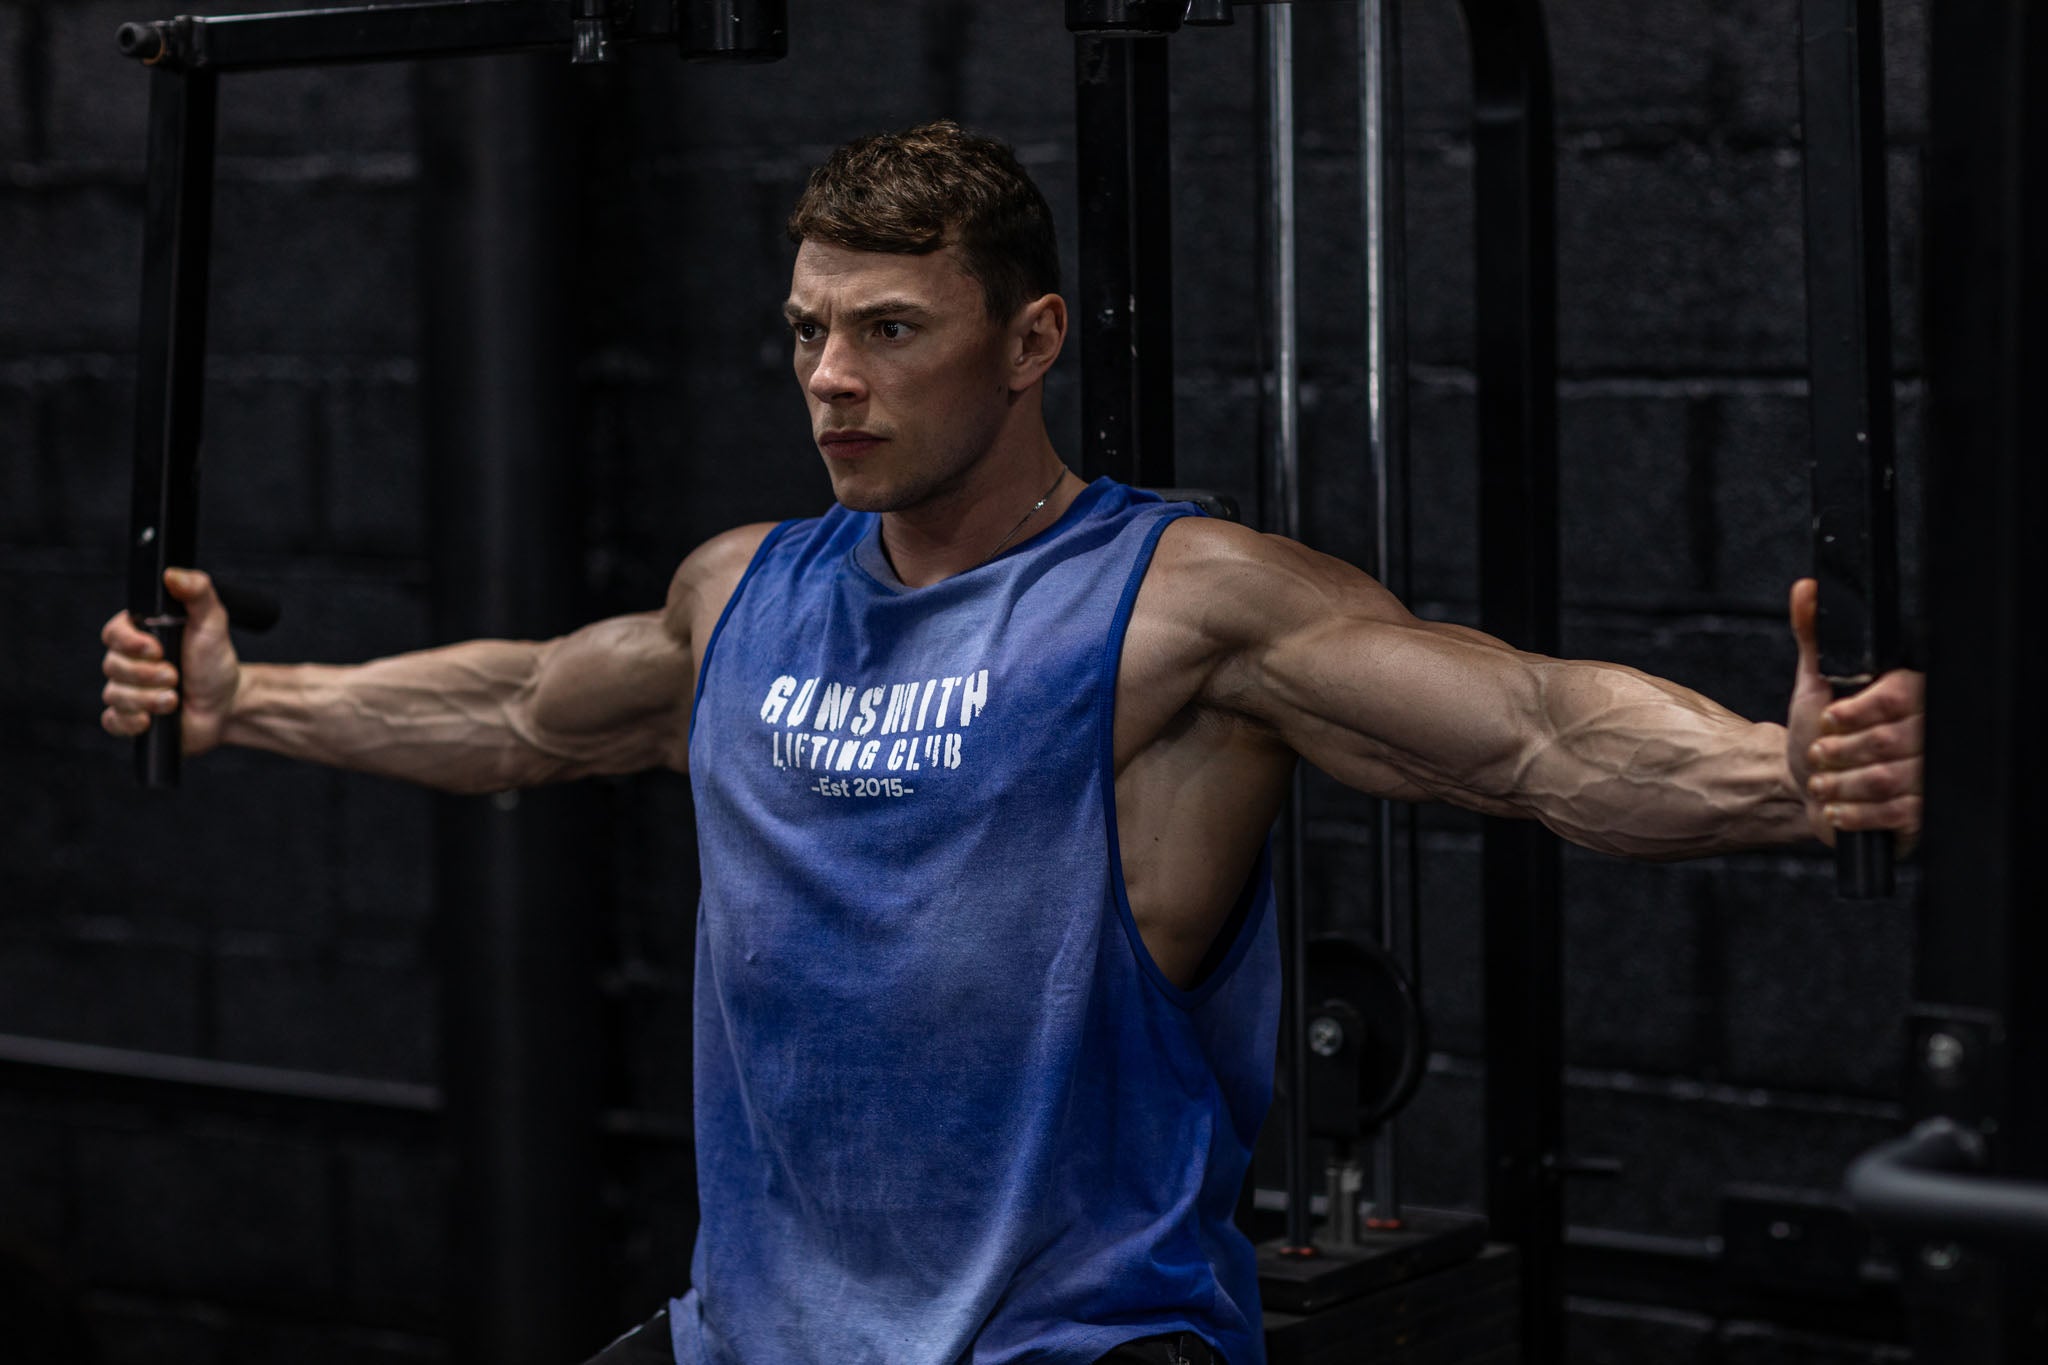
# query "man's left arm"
(1607, 756)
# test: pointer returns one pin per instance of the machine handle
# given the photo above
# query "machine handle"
(1929, 1185)
(160, 749)
(1864, 859)
(1848, 299)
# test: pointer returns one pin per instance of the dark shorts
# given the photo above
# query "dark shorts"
(648, 1344)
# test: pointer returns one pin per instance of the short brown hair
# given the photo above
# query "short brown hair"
(914, 192)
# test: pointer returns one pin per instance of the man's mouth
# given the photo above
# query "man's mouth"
(847, 444)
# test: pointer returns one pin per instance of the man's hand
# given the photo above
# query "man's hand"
(1858, 760)
(142, 685)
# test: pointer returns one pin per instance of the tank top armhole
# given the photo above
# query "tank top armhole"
(1242, 925)
(704, 668)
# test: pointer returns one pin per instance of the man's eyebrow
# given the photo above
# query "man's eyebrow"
(867, 312)
(887, 308)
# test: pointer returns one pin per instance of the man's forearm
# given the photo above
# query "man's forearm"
(1644, 768)
(451, 718)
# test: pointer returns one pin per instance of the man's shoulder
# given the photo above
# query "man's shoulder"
(1198, 598)
(1216, 588)
(704, 582)
(1202, 564)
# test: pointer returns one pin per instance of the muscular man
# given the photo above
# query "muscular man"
(985, 761)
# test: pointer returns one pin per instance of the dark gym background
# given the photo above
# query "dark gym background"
(1729, 1023)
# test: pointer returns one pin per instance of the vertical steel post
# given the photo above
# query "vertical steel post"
(1979, 1029)
(1125, 317)
(1386, 310)
(1515, 232)
(1282, 513)
(1849, 331)
(170, 367)
(520, 1004)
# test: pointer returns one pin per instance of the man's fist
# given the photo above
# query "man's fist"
(142, 684)
(1858, 760)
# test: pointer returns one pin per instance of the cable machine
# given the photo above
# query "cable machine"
(519, 1099)
(1352, 1033)
(1964, 1196)
(1978, 1037)
(509, 1120)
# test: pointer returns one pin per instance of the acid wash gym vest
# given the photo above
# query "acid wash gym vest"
(947, 1107)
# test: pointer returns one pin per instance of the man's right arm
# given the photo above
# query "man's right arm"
(485, 715)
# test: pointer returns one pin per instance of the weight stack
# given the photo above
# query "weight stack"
(1464, 1314)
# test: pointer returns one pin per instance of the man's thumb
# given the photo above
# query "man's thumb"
(187, 584)
(1805, 612)
(194, 587)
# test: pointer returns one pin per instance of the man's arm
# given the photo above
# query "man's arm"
(485, 715)
(1608, 756)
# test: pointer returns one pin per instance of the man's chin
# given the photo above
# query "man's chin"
(857, 493)
(858, 497)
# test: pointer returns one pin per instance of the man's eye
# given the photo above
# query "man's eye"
(807, 331)
(892, 331)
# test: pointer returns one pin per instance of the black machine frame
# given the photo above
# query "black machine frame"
(1987, 219)
(1124, 324)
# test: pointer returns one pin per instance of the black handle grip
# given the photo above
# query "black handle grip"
(160, 750)
(1863, 865)
(1863, 857)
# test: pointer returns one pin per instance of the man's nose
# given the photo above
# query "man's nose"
(836, 377)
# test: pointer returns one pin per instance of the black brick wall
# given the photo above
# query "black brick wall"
(1727, 1021)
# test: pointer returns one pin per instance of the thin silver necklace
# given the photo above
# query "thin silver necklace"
(1036, 508)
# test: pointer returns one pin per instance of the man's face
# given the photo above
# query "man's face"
(902, 368)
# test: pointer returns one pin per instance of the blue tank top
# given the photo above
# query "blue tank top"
(947, 1107)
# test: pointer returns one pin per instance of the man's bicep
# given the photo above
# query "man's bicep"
(1406, 709)
(619, 693)
(614, 697)
(1332, 663)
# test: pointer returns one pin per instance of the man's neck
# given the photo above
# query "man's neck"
(998, 506)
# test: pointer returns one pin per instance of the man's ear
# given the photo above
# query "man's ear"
(1037, 333)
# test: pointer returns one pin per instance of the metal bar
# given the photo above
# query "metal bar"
(1514, 179)
(1151, 173)
(1930, 1184)
(91, 1070)
(313, 1099)
(1384, 213)
(719, 30)
(1125, 318)
(1690, 1275)
(1283, 322)
(1981, 936)
(520, 1003)
(1283, 514)
(1384, 217)
(1849, 331)
(367, 33)
(170, 370)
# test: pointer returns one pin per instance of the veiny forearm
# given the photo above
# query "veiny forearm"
(1631, 764)
(455, 718)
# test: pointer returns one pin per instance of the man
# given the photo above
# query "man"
(985, 761)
